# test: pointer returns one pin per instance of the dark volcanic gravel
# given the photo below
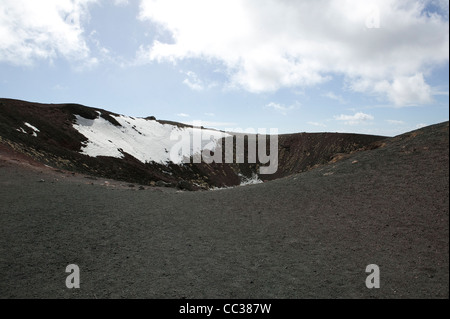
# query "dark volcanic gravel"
(309, 235)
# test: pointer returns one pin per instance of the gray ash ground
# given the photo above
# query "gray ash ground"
(309, 235)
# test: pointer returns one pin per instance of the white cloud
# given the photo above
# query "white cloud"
(280, 108)
(193, 85)
(357, 118)
(193, 82)
(335, 97)
(35, 30)
(271, 44)
(410, 91)
(183, 115)
(402, 91)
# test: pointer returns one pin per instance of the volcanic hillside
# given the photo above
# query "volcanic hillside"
(307, 235)
(137, 150)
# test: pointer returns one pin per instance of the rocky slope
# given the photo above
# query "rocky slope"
(48, 134)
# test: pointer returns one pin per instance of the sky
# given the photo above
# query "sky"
(373, 67)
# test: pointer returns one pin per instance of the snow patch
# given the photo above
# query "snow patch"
(250, 180)
(245, 181)
(146, 140)
(32, 127)
(221, 188)
(35, 130)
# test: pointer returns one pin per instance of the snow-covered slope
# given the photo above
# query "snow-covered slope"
(146, 140)
(97, 142)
